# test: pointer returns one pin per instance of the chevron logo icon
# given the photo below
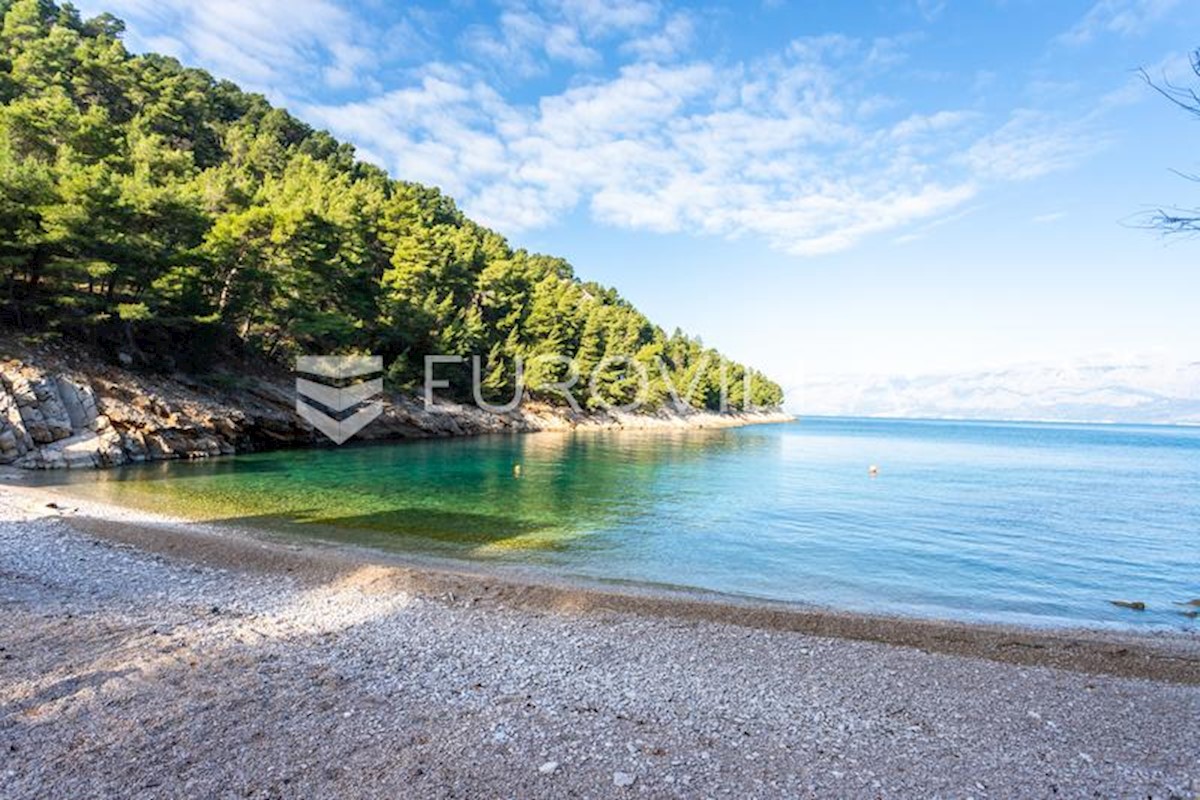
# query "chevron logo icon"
(337, 395)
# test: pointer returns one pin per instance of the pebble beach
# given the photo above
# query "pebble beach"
(154, 658)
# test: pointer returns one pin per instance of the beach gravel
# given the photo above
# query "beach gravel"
(127, 673)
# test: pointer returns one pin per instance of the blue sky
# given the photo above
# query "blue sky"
(818, 188)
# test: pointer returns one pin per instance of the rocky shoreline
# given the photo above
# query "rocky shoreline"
(80, 413)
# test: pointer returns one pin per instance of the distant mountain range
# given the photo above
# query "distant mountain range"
(1145, 392)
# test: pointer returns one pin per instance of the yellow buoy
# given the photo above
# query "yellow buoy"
(516, 470)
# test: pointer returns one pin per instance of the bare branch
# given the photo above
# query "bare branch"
(1177, 221)
(1189, 176)
(1184, 98)
(1174, 221)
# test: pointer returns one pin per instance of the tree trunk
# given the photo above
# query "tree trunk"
(226, 291)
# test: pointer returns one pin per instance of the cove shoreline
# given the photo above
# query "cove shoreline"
(1154, 655)
(67, 408)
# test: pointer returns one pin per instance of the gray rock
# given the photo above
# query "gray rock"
(35, 425)
(78, 401)
(54, 413)
(135, 445)
(623, 779)
(20, 389)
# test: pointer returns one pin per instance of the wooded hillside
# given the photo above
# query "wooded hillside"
(135, 191)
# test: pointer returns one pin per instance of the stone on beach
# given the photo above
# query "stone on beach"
(623, 779)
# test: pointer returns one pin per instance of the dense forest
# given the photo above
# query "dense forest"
(136, 193)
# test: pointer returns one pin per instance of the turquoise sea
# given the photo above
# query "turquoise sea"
(1038, 524)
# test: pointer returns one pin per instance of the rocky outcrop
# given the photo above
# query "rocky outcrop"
(57, 416)
(52, 421)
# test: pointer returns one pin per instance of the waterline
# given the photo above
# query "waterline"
(1033, 524)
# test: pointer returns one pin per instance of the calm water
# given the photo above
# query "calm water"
(1039, 524)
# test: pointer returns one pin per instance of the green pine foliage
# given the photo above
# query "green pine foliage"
(135, 189)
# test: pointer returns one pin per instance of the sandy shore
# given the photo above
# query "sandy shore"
(142, 656)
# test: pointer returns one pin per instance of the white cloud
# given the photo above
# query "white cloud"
(938, 123)
(801, 148)
(1121, 17)
(599, 17)
(530, 36)
(923, 230)
(1046, 219)
(522, 37)
(1032, 144)
(563, 43)
(671, 41)
(274, 46)
(774, 149)
(1135, 388)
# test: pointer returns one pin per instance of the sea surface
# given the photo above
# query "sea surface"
(1040, 524)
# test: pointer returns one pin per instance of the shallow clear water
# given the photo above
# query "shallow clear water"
(1040, 524)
